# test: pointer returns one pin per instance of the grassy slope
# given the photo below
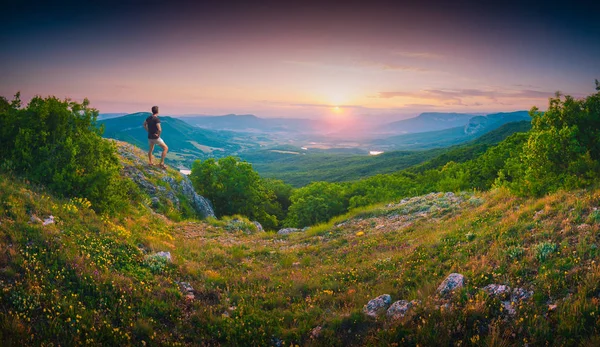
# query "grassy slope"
(85, 279)
(300, 170)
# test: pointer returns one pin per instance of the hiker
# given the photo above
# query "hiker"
(152, 126)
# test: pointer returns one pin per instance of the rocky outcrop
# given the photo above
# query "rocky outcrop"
(497, 290)
(400, 308)
(200, 204)
(476, 124)
(162, 186)
(187, 290)
(164, 255)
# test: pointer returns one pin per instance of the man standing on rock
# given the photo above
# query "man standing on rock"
(152, 126)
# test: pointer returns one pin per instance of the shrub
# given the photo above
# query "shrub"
(57, 143)
(234, 187)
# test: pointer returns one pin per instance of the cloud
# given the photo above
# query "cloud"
(461, 96)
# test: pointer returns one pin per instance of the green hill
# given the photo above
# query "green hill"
(186, 142)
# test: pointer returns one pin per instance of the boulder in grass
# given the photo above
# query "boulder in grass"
(377, 306)
(500, 291)
(49, 220)
(165, 255)
(509, 308)
(451, 283)
(520, 294)
(400, 308)
(258, 226)
(35, 219)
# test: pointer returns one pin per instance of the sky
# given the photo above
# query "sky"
(303, 59)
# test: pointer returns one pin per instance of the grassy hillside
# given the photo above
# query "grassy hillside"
(89, 279)
(298, 167)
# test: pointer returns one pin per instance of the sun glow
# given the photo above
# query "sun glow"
(336, 109)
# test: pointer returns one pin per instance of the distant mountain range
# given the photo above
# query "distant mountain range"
(474, 127)
(425, 122)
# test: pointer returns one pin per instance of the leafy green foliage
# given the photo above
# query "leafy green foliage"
(316, 203)
(57, 143)
(234, 187)
(563, 147)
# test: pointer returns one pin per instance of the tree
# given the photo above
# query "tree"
(233, 187)
(563, 147)
(315, 203)
(281, 202)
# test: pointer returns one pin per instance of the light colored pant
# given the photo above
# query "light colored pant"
(157, 141)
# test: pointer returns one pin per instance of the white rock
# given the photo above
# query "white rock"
(377, 306)
(452, 282)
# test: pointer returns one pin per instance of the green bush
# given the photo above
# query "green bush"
(563, 147)
(57, 143)
(234, 187)
(316, 203)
